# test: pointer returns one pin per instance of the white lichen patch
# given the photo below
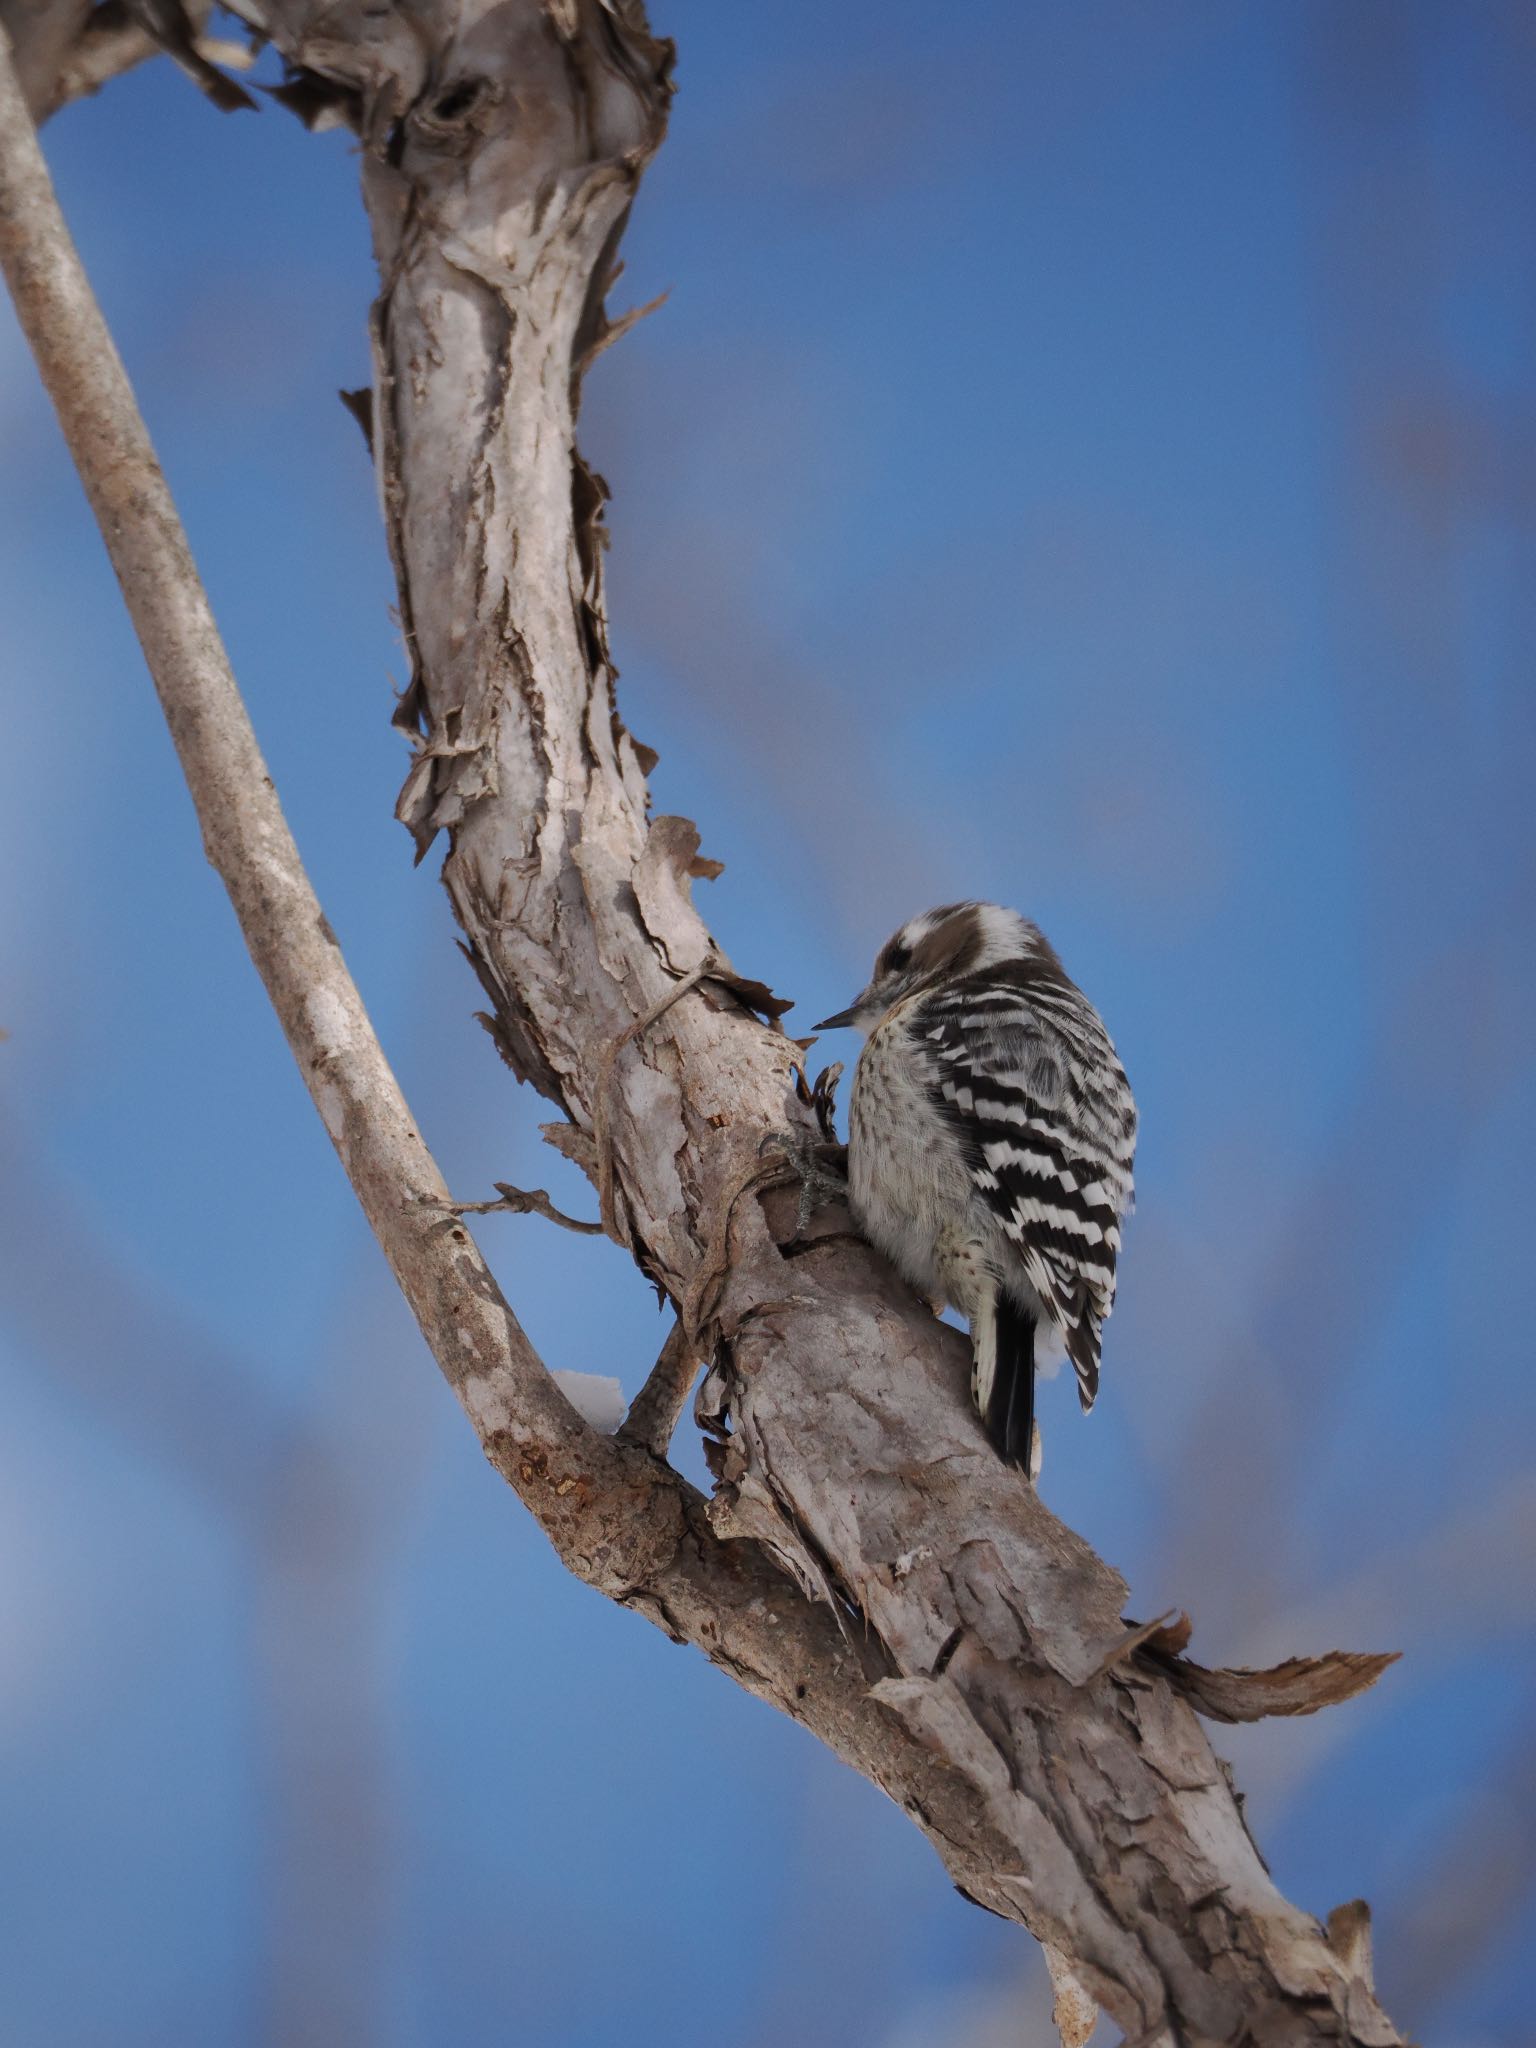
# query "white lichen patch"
(332, 1105)
(330, 1023)
(486, 1403)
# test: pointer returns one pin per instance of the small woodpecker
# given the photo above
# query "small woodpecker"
(990, 1142)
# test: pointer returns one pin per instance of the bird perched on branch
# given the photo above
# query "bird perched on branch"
(990, 1144)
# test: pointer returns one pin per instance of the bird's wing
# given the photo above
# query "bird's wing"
(1028, 1080)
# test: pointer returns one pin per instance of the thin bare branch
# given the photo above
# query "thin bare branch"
(653, 1415)
(477, 1340)
(511, 1201)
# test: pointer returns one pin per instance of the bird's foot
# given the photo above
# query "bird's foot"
(819, 1165)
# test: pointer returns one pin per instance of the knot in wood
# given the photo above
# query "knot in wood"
(454, 113)
(624, 1539)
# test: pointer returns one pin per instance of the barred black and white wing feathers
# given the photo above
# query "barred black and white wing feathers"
(1021, 1067)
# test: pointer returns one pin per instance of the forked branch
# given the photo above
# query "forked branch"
(991, 1684)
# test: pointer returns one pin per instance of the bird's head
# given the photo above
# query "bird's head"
(939, 946)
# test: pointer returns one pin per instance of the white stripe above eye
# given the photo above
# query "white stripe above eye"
(1004, 935)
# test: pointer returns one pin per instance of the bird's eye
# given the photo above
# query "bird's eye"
(897, 958)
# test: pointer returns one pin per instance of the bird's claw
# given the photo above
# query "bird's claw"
(819, 1165)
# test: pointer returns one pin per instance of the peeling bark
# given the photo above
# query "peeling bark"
(950, 1638)
(67, 49)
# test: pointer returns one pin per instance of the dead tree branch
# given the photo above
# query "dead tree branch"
(512, 1201)
(989, 1682)
(620, 1519)
(655, 1411)
(67, 49)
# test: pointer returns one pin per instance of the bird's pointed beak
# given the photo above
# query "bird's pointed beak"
(840, 1022)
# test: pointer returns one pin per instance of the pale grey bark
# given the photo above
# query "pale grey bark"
(949, 1637)
(67, 49)
(46, 38)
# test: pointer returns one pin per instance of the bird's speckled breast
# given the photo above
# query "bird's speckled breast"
(906, 1177)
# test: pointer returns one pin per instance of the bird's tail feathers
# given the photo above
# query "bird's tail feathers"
(1083, 1339)
(1003, 1376)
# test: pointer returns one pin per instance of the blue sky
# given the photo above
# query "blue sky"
(1087, 458)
